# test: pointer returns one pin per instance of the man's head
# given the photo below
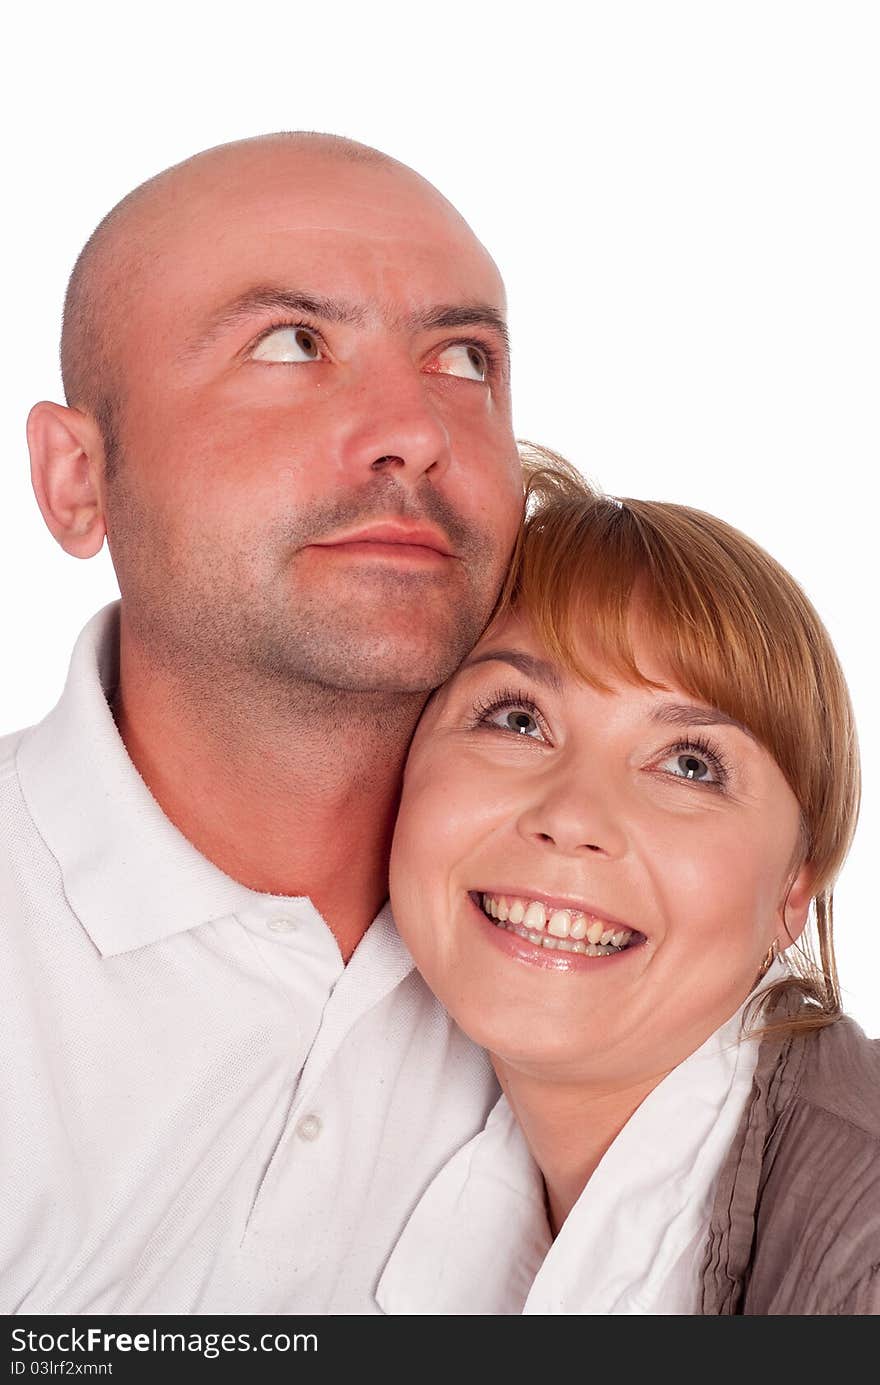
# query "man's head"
(268, 348)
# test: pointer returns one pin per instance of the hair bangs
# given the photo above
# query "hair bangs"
(588, 577)
(722, 619)
(727, 625)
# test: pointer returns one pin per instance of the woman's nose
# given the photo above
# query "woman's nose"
(573, 816)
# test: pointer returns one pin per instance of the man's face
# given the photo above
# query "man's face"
(309, 350)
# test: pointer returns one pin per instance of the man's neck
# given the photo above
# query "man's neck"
(293, 794)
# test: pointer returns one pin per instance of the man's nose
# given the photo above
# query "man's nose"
(570, 813)
(397, 428)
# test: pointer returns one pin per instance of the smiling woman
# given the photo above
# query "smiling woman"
(622, 819)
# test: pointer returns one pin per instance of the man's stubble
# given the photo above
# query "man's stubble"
(227, 618)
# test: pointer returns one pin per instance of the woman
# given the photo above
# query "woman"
(618, 818)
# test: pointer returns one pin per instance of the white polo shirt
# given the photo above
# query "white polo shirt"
(202, 1110)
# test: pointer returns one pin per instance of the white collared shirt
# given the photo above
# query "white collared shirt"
(202, 1110)
(479, 1242)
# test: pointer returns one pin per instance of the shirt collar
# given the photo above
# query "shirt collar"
(479, 1242)
(478, 1237)
(129, 875)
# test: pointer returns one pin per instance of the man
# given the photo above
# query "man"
(288, 412)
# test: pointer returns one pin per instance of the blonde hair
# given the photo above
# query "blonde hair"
(733, 629)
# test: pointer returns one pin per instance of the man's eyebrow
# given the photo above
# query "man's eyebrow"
(460, 315)
(277, 300)
(693, 714)
(540, 669)
(292, 302)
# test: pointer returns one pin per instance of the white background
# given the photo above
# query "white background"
(682, 197)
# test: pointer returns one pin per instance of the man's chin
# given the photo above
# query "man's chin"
(401, 648)
(388, 668)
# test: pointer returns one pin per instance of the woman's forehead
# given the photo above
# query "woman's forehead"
(513, 639)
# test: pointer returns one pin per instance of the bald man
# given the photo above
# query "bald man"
(288, 413)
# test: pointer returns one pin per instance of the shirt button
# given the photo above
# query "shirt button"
(282, 925)
(309, 1128)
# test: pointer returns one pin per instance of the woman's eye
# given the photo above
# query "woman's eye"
(465, 361)
(516, 719)
(687, 765)
(287, 345)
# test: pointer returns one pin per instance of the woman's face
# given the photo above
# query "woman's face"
(637, 817)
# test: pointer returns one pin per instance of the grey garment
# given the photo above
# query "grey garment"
(795, 1225)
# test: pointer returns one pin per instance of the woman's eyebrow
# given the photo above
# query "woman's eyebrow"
(693, 714)
(539, 669)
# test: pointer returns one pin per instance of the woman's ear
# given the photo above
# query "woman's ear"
(795, 907)
(67, 458)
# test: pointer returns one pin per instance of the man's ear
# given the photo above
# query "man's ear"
(67, 459)
(795, 908)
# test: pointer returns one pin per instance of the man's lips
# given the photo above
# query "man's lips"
(393, 534)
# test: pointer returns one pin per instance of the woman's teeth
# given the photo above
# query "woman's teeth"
(565, 930)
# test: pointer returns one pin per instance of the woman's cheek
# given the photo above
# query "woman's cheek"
(719, 887)
(445, 816)
(419, 849)
(450, 795)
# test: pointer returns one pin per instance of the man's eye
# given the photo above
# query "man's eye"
(461, 359)
(287, 345)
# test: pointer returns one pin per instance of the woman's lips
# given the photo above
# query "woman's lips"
(552, 904)
(551, 925)
(553, 958)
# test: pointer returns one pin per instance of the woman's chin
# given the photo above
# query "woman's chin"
(533, 1006)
